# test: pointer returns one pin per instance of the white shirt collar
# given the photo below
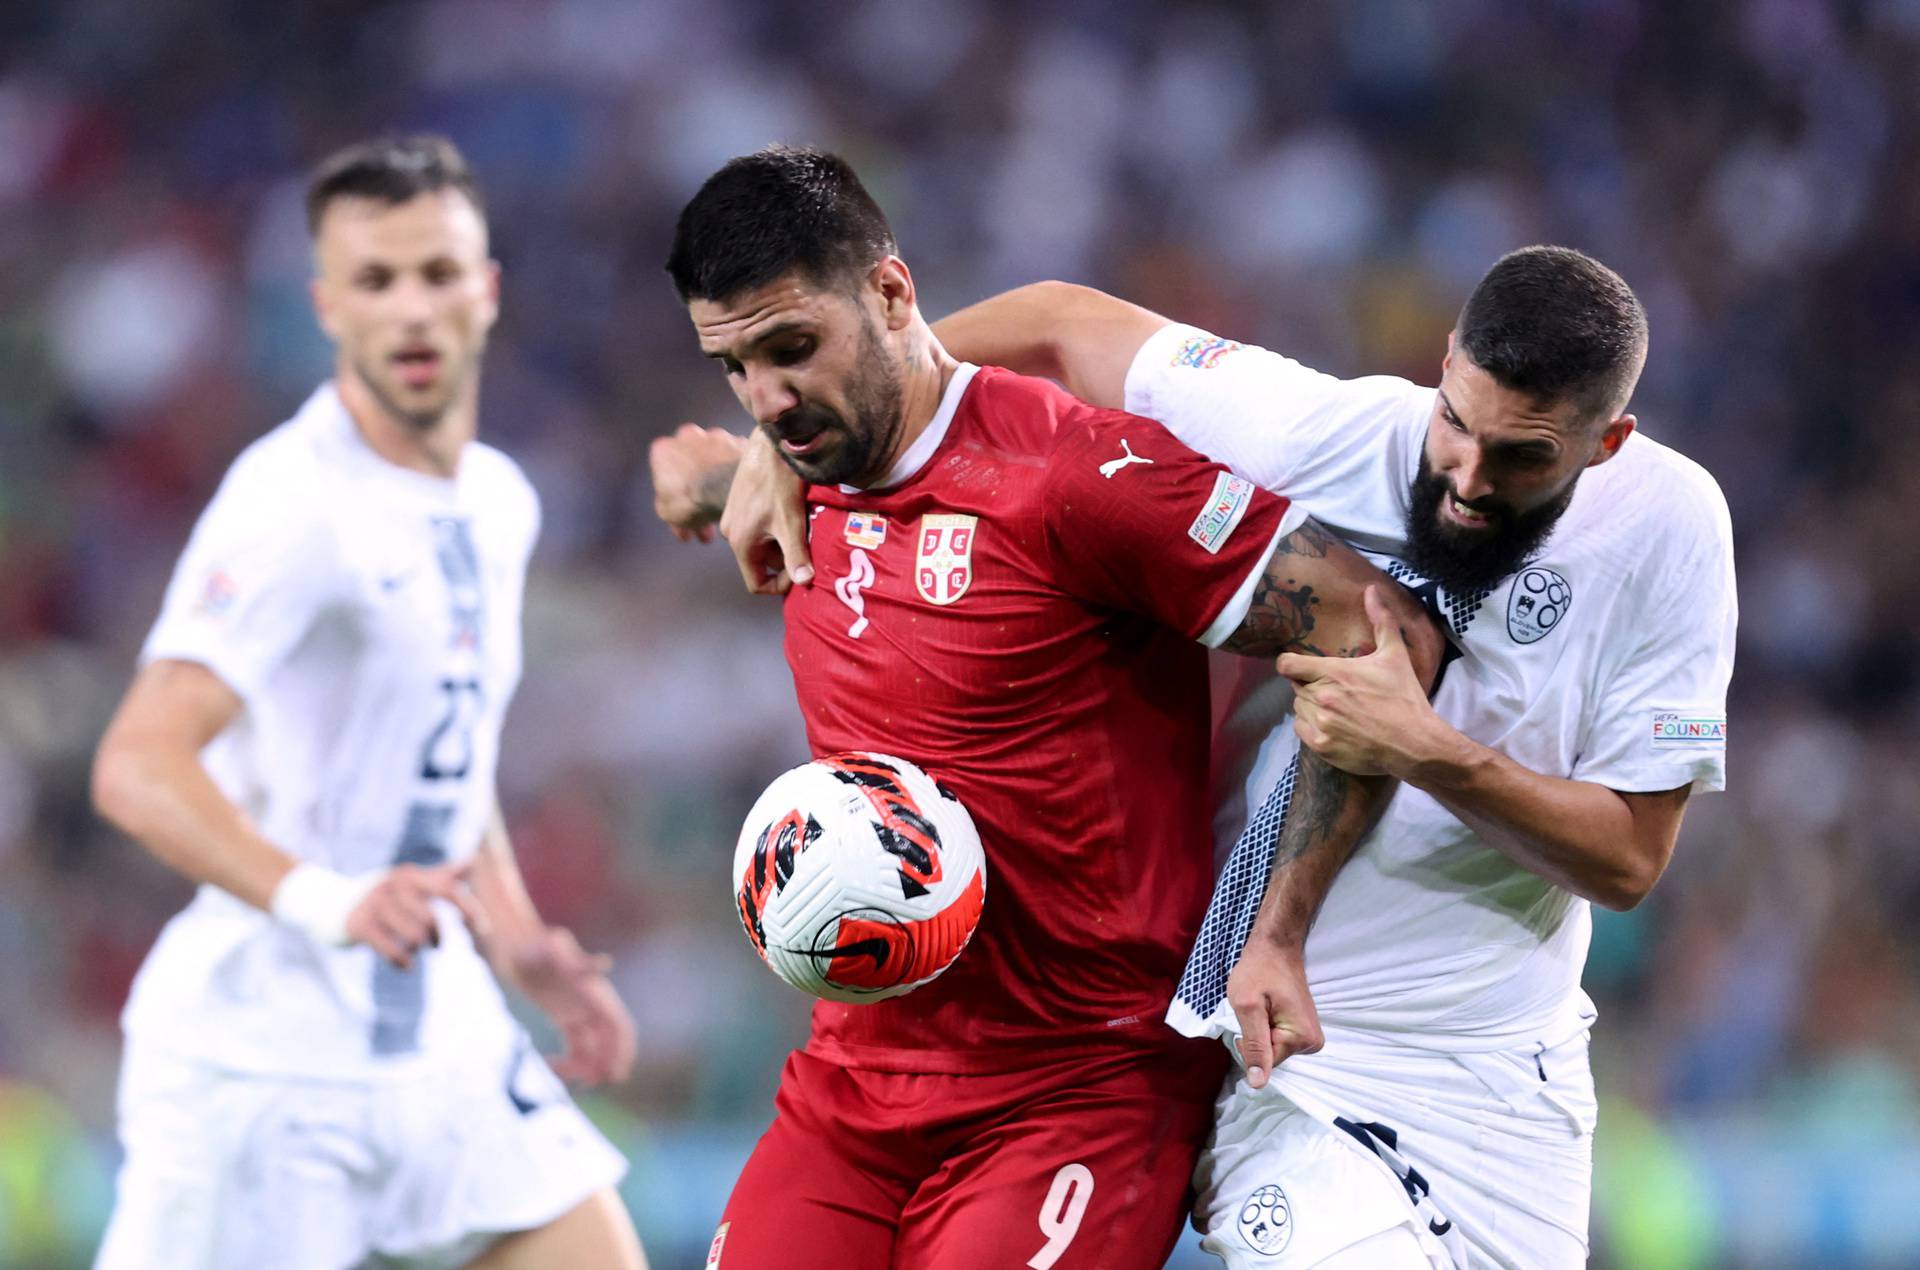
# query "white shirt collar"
(917, 455)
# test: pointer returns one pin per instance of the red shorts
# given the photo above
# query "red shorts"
(1081, 1165)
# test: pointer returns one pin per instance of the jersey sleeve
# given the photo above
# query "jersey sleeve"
(261, 565)
(1137, 521)
(1661, 719)
(1344, 448)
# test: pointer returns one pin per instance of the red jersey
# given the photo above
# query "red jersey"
(1017, 611)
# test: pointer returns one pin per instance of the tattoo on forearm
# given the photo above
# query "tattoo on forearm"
(1316, 839)
(1320, 794)
(714, 486)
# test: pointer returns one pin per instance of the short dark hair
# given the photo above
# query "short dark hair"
(391, 170)
(1558, 324)
(773, 211)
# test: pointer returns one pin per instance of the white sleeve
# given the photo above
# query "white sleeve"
(1344, 448)
(261, 565)
(1661, 720)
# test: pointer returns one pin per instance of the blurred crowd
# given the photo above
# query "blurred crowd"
(1326, 179)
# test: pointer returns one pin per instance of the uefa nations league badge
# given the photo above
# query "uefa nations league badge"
(1540, 598)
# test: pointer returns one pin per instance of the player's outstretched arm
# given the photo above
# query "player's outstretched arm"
(1372, 716)
(1084, 338)
(1604, 845)
(148, 782)
(548, 965)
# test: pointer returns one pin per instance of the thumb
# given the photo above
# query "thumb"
(1256, 1049)
(791, 533)
(1386, 626)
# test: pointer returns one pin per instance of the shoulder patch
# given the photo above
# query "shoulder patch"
(1223, 510)
(1689, 730)
(1202, 352)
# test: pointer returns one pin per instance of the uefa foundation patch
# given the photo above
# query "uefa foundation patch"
(1689, 730)
(1225, 506)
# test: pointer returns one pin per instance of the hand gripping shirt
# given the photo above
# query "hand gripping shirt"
(1604, 659)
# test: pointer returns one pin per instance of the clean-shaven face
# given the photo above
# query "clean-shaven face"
(408, 294)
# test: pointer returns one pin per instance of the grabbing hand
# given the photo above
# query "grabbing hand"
(1268, 993)
(570, 986)
(1365, 715)
(766, 521)
(692, 470)
(395, 918)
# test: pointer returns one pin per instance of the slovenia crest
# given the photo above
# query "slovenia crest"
(1539, 600)
(943, 562)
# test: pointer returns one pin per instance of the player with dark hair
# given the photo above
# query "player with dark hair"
(1022, 587)
(320, 1070)
(1585, 573)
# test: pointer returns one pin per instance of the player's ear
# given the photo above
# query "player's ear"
(895, 285)
(493, 290)
(1446, 362)
(1612, 437)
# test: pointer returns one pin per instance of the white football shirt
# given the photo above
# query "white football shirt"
(1605, 659)
(369, 618)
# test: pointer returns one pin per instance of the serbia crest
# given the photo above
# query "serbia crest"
(943, 562)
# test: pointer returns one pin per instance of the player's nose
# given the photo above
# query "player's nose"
(412, 301)
(769, 395)
(1469, 480)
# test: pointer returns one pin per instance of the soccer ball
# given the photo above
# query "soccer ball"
(858, 877)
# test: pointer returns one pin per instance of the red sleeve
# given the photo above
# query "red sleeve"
(1137, 521)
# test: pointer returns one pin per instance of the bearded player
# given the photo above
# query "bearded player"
(1586, 574)
(1015, 592)
(320, 1070)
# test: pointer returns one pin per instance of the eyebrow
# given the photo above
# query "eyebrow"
(1540, 446)
(771, 333)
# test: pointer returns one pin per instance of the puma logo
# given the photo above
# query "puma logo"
(1109, 468)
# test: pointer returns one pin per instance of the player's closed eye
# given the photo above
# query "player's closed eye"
(793, 354)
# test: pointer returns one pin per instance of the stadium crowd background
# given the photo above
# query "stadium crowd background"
(1328, 180)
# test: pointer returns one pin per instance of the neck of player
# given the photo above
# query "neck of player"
(929, 369)
(433, 448)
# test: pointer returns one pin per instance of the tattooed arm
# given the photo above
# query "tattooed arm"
(1311, 596)
(1309, 599)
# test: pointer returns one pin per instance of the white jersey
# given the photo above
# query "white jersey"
(1605, 659)
(368, 616)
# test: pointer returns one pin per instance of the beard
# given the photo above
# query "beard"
(866, 434)
(1462, 560)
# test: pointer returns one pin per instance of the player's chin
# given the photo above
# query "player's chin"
(824, 461)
